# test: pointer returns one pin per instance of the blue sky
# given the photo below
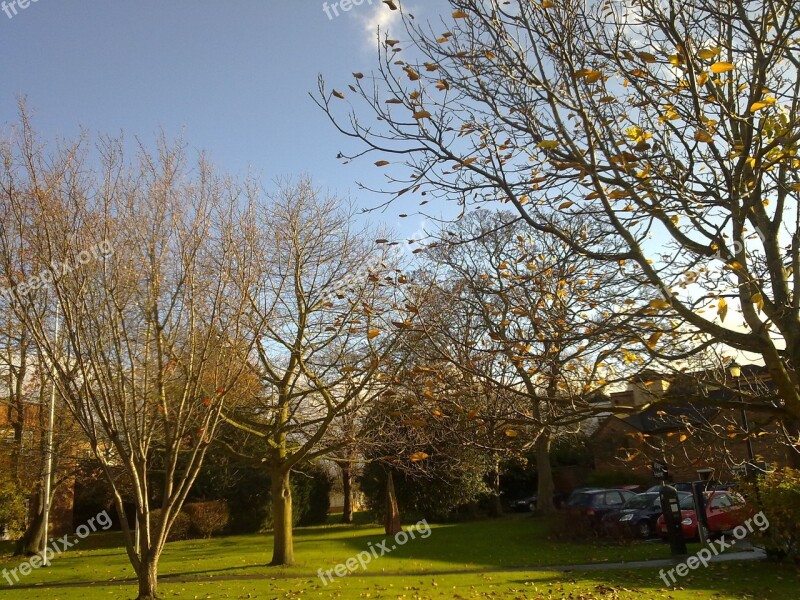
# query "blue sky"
(231, 77)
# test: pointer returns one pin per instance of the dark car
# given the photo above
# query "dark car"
(528, 504)
(592, 504)
(683, 486)
(638, 516)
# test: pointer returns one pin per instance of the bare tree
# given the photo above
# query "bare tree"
(319, 295)
(674, 127)
(151, 343)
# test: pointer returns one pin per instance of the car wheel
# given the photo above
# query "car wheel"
(707, 533)
(532, 507)
(644, 530)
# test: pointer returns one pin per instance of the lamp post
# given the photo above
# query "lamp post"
(736, 372)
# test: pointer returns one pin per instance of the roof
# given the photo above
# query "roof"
(669, 417)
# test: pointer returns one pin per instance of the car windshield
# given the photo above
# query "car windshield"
(641, 501)
(687, 502)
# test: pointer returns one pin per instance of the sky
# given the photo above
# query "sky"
(231, 78)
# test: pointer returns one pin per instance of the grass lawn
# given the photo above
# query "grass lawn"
(465, 560)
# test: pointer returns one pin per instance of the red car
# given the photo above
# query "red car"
(724, 511)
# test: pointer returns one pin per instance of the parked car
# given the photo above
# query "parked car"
(528, 504)
(724, 511)
(683, 486)
(592, 504)
(637, 517)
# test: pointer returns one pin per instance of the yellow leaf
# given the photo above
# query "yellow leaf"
(722, 309)
(472, 414)
(659, 304)
(683, 437)
(422, 114)
(418, 456)
(702, 78)
(412, 74)
(511, 433)
(548, 144)
(653, 339)
(373, 334)
(721, 67)
(758, 300)
(460, 14)
(709, 53)
(703, 136)
(646, 57)
(565, 205)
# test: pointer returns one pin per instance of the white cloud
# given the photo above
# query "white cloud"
(376, 16)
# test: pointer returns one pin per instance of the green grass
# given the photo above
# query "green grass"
(473, 556)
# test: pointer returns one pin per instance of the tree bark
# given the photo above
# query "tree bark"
(391, 523)
(148, 577)
(32, 541)
(546, 487)
(283, 547)
(347, 490)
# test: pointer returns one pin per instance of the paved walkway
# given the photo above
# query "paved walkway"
(742, 555)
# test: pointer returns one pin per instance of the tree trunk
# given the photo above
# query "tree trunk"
(32, 541)
(391, 524)
(546, 487)
(148, 577)
(497, 504)
(283, 545)
(347, 490)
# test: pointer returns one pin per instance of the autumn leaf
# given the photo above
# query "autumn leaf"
(565, 205)
(358, 75)
(460, 14)
(418, 456)
(381, 163)
(758, 300)
(709, 53)
(548, 144)
(653, 339)
(339, 95)
(703, 136)
(422, 114)
(721, 67)
(722, 309)
(511, 433)
(373, 334)
(683, 437)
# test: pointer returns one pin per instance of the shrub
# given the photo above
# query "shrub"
(207, 518)
(12, 507)
(778, 496)
(181, 527)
